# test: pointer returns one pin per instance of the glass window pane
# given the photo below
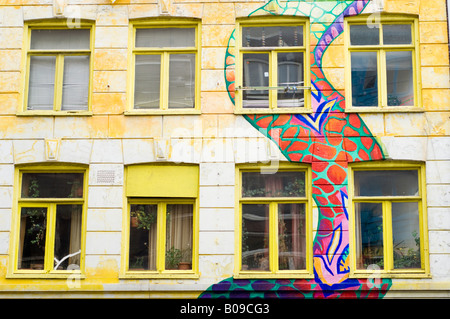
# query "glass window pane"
(33, 224)
(147, 81)
(399, 71)
(41, 88)
(165, 37)
(67, 237)
(406, 235)
(255, 237)
(363, 35)
(290, 73)
(143, 237)
(364, 79)
(279, 36)
(179, 223)
(291, 237)
(386, 183)
(75, 83)
(397, 34)
(280, 184)
(182, 81)
(52, 185)
(60, 39)
(369, 235)
(256, 74)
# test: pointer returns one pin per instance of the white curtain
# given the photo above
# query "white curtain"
(41, 82)
(75, 83)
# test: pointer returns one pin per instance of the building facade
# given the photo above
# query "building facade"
(202, 149)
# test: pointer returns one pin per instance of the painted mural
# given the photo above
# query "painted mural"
(328, 139)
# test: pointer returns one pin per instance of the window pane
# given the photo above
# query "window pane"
(60, 39)
(255, 237)
(290, 73)
(364, 79)
(147, 81)
(165, 37)
(41, 88)
(406, 235)
(399, 71)
(75, 83)
(179, 223)
(33, 224)
(363, 35)
(291, 237)
(143, 237)
(256, 74)
(397, 34)
(386, 183)
(68, 237)
(182, 81)
(52, 185)
(272, 36)
(280, 184)
(369, 235)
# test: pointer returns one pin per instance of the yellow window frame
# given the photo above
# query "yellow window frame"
(273, 74)
(164, 52)
(50, 204)
(273, 202)
(160, 272)
(381, 50)
(386, 201)
(27, 52)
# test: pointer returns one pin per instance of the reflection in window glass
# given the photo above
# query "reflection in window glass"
(291, 237)
(181, 81)
(75, 83)
(147, 81)
(386, 183)
(397, 34)
(52, 185)
(280, 184)
(165, 37)
(406, 235)
(255, 237)
(33, 225)
(279, 36)
(364, 79)
(363, 35)
(369, 235)
(41, 83)
(179, 241)
(256, 74)
(68, 237)
(399, 71)
(143, 237)
(290, 73)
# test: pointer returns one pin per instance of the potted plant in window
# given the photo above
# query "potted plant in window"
(141, 219)
(173, 258)
(186, 257)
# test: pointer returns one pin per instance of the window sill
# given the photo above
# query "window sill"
(274, 111)
(267, 275)
(145, 274)
(363, 109)
(45, 275)
(419, 274)
(164, 112)
(54, 113)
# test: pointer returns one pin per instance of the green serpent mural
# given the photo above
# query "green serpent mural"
(327, 139)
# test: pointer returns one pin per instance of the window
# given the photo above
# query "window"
(161, 226)
(389, 219)
(382, 60)
(166, 68)
(50, 219)
(272, 72)
(275, 233)
(59, 69)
